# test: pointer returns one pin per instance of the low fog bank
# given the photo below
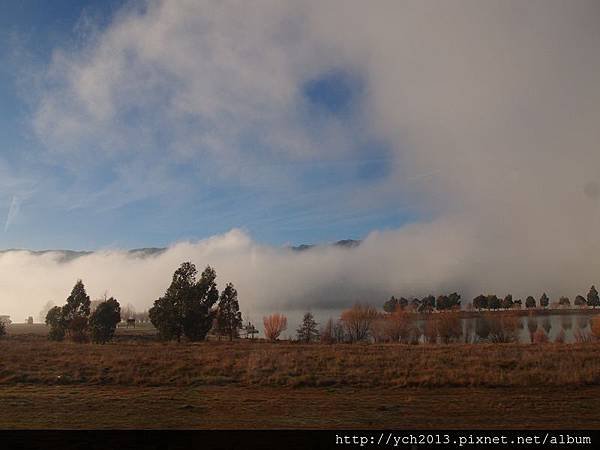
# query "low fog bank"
(441, 256)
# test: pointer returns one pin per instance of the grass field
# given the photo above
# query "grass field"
(137, 382)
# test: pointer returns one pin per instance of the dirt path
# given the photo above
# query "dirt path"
(26, 406)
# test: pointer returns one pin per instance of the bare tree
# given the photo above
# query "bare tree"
(357, 321)
(274, 325)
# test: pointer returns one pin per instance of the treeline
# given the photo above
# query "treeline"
(486, 302)
(192, 308)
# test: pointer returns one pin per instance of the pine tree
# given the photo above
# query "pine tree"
(592, 297)
(308, 331)
(229, 318)
(77, 312)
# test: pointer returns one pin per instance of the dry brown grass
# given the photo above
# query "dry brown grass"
(35, 361)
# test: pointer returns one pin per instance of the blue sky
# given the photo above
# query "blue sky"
(105, 187)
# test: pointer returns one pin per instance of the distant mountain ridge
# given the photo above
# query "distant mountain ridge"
(69, 255)
(347, 243)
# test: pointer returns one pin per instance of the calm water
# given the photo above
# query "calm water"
(475, 329)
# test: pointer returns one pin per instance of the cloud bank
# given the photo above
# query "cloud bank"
(490, 111)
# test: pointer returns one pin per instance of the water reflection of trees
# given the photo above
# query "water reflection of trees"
(566, 322)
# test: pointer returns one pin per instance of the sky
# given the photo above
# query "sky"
(110, 142)
(459, 140)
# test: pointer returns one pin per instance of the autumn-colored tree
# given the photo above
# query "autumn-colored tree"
(399, 326)
(326, 334)
(449, 328)
(430, 332)
(357, 321)
(274, 325)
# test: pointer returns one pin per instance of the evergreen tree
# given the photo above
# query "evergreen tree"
(530, 302)
(104, 320)
(592, 297)
(480, 302)
(507, 303)
(186, 309)
(564, 301)
(76, 313)
(55, 320)
(229, 318)
(308, 331)
(493, 302)
(544, 301)
(78, 303)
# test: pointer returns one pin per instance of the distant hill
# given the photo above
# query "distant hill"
(70, 255)
(348, 243)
